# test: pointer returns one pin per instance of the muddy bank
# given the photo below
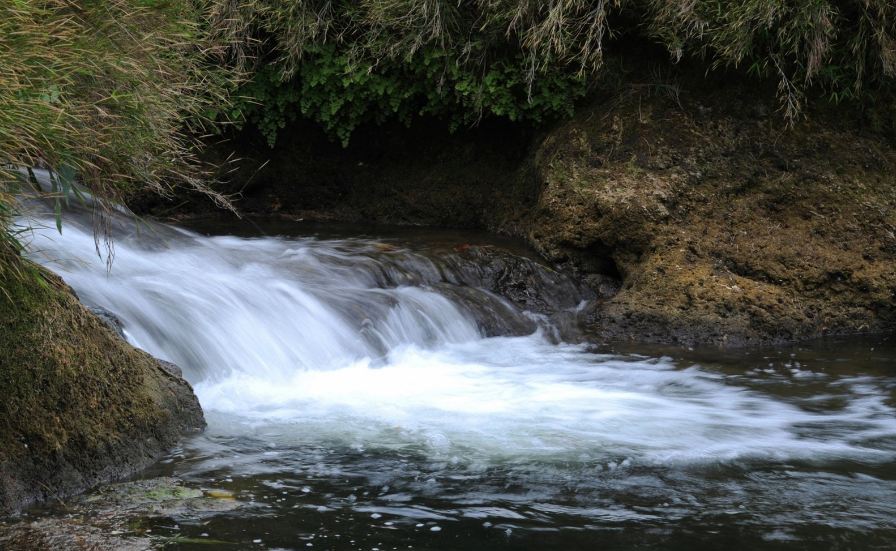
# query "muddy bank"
(698, 220)
(78, 405)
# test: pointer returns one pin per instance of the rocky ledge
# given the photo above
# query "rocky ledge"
(698, 217)
(78, 405)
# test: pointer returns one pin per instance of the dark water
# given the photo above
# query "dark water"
(317, 491)
(345, 413)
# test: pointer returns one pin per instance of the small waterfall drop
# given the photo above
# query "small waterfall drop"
(365, 340)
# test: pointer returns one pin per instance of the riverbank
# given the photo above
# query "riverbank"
(78, 405)
(698, 220)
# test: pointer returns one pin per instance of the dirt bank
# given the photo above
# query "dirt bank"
(78, 405)
(699, 220)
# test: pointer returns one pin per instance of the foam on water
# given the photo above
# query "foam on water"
(339, 340)
(506, 398)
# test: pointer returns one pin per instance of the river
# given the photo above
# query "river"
(357, 399)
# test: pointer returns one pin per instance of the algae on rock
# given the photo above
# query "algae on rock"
(78, 405)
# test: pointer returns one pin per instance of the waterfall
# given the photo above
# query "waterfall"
(369, 340)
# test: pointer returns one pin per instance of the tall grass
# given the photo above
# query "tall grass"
(840, 49)
(109, 92)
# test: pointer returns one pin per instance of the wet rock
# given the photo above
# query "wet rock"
(528, 284)
(82, 407)
(114, 323)
(605, 286)
(166, 497)
(113, 518)
(67, 533)
(494, 316)
(171, 368)
(692, 221)
(111, 320)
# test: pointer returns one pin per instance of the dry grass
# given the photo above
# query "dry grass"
(113, 90)
(105, 91)
(840, 47)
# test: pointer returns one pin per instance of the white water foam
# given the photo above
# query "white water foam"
(300, 334)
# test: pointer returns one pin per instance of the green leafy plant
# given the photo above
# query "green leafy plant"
(341, 93)
(342, 63)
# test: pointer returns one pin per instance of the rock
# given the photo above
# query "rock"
(114, 323)
(604, 285)
(552, 296)
(114, 517)
(62, 533)
(493, 315)
(528, 284)
(726, 245)
(81, 406)
(693, 221)
(111, 320)
(171, 368)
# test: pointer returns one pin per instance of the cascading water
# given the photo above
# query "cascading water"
(320, 361)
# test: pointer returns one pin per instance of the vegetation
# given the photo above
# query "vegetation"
(78, 405)
(341, 93)
(113, 92)
(343, 63)
(105, 91)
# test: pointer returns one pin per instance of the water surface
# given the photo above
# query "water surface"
(355, 401)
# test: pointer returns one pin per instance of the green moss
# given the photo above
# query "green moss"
(63, 378)
(726, 230)
(74, 398)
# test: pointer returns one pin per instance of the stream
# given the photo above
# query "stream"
(362, 392)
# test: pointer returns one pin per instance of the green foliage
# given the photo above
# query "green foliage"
(345, 62)
(341, 93)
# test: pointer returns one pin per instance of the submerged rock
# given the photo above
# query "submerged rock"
(67, 533)
(114, 517)
(530, 285)
(78, 405)
(544, 294)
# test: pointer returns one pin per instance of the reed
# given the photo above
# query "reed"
(111, 93)
(834, 50)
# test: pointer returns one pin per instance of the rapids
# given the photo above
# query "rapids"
(370, 372)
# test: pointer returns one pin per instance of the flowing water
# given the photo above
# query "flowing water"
(357, 399)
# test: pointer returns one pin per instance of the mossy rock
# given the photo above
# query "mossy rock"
(78, 405)
(725, 228)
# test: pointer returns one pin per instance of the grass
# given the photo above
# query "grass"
(839, 49)
(111, 93)
(115, 93)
